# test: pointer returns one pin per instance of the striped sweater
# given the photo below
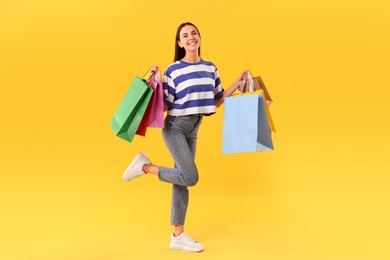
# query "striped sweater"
(191, 88)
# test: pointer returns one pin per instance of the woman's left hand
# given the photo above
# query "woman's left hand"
(242, 77)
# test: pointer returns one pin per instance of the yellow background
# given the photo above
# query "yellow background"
(322, 194)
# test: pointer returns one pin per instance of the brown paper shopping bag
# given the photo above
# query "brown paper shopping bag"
(259, 85)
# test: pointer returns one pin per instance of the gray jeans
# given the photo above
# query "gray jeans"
(180, 134)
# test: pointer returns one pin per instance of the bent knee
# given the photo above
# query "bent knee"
(192, 181)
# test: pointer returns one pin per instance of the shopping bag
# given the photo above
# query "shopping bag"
(258, 84)
(130, 111)
(253, 85)
(154, 114)
(245, 125)
(143, 126)
(157, 105)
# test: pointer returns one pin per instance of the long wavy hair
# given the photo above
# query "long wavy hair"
(181, 52)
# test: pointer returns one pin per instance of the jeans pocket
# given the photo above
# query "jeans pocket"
(169, 121)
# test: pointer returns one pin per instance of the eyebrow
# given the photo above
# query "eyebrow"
(187, 33)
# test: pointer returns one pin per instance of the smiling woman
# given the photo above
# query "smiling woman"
(192, 89)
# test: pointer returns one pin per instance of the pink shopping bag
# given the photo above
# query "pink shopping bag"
(156, 119)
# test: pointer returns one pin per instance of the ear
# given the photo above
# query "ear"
(179, 43)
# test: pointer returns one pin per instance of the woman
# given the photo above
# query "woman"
(192, 88)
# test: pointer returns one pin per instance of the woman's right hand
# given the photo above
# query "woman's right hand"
(157, 73)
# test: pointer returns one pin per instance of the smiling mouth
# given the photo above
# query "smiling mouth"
(192, 43)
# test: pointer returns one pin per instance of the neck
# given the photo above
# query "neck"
(191, 57)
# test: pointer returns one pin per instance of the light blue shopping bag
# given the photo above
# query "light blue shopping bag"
(245, 125)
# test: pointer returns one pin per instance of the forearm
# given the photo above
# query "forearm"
(228, 92)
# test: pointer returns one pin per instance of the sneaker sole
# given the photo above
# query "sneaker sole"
(185, 248)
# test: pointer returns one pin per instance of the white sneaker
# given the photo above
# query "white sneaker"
(186, 243)
(135, 168)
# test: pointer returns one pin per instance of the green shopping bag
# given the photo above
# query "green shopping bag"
(132, 108)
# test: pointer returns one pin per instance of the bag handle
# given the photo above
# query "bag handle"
(247, 84)
(147, 73)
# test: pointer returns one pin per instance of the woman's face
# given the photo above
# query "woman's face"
(189, 38)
